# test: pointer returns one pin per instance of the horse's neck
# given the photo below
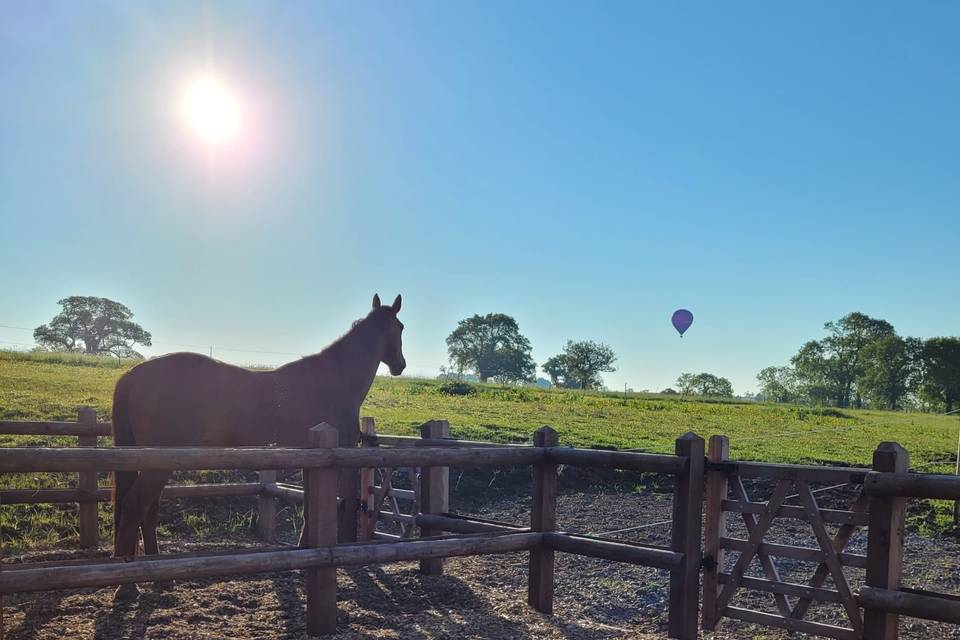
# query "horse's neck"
(350, 364)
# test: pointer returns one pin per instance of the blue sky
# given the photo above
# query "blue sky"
(586, 168)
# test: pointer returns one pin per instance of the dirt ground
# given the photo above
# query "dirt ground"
(481, 597)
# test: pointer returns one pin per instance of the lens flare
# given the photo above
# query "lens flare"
(211, 110)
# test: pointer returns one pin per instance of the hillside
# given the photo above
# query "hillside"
(52, 387)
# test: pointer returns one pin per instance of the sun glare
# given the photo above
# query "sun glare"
(211, 110)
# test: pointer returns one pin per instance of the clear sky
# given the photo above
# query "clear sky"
(584, 167)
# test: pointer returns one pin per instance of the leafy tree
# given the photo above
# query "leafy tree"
(685, 383)
(704, 384)
(93, 325)
(834, 364)
(941, 371)
(778, 384)
(493, 347)
(889, 371)
(580, 364)
(559, 372)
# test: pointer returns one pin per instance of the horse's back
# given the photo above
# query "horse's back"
(186, 399)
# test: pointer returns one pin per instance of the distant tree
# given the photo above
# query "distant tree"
(704, 384)
(559, 371)
(493, 347)
(778, 384)
(669, 392)
(580, 364)
(93, 325)
(889, 371)
(707, 384)
(685, 383)
(834, 364)
(941, 371)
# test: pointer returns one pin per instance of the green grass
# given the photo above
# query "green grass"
(52, 387)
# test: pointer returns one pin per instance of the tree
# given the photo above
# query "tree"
(941, 371)
(778, 384)
(834, 364)
(493, 347)
(93, 325)
(889, 371)
(559, 372)
(704, 384)
(580, 364)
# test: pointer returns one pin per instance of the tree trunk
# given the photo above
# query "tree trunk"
(483, 377)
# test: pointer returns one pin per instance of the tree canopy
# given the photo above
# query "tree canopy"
(704, 384)
(93, 325)
(580, 364)
(492, 347)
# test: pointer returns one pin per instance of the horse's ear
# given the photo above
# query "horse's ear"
(376, 301)
(396, 304)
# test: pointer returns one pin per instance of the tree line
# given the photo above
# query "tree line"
(861, 362)
(492, 347)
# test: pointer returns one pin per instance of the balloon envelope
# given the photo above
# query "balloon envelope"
(682, 319)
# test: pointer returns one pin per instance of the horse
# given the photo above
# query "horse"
(190, 400)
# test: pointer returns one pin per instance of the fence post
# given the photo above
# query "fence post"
(434, 491)
(543, 517)
(267, 506)
(714, 529)
(885, 542)
(320, 506)
(89, 521)
(685, 538)
(368, 502)
(349, 491)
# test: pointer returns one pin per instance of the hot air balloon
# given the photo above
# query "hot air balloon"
(682, 319)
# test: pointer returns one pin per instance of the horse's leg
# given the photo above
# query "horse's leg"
(137, 507)
(148, 530)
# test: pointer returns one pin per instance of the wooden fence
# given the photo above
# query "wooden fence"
(715, 481)
(321, 463)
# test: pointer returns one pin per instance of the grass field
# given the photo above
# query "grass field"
(51, 387)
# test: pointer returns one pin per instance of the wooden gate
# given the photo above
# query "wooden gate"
(377, 490)
(727, 493)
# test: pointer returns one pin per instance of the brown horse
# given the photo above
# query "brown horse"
(189, 400)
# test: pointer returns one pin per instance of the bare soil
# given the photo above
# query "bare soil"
(481, 597)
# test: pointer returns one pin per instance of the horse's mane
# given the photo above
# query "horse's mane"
(370, 321)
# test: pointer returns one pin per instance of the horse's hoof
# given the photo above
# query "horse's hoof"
(126, 593)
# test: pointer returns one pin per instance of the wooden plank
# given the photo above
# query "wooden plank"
(458, 524)
(840, 541)
(913, 485)
(753, 545)
(830, 558)
(368, 510)
(917, 604)
(791, 624)
(386, 440)
(649, 462)
(795, 553)
(27, 460)
(769, 568)
(267, 507)
(833, 516)
(785, 588)
(885, 541)
(321, 528)
(643, 555)
(218, 565)
(685, 539)
(543, 517)
(714, 530)
(102, 494)
(87, 482)
(35, 428)
(434, 491)
(397, 517)
(810, 473)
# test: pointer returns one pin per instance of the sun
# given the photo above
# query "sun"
(211, 110)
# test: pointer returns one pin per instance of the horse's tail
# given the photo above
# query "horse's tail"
(122, 437)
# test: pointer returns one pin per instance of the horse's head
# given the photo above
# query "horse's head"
(392, 329)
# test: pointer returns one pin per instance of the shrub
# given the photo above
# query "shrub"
(457, 388)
